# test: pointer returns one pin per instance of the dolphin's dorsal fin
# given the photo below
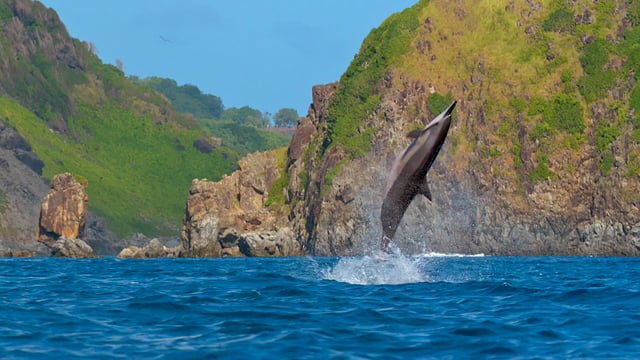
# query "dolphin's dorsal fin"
(424, 190)
(414, 134)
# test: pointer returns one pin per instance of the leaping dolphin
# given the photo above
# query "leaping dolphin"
(408, 175)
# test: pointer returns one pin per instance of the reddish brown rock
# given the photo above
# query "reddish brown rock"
(217, 214)
(64, 210)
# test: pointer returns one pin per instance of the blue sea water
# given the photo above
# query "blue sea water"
(430, 306)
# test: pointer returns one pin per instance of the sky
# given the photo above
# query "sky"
(266, 54)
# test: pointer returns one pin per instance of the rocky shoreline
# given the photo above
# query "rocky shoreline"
(229, 218)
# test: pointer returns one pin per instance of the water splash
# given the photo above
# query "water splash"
(377, 269)
(373, 270)
(384, 269)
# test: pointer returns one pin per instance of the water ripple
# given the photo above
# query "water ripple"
(403, 307)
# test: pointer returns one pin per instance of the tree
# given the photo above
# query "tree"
(286, 117)
(245, 116)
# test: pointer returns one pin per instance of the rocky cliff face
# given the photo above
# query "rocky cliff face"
(543, 154)
(229, 217)
(499, 186)
(21, 189)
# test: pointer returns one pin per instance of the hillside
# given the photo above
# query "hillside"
(136, 152)
(237, 127)
(543, 157)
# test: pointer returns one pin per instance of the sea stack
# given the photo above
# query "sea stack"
(63, 216)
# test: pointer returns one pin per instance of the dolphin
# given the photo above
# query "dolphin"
(408, 176)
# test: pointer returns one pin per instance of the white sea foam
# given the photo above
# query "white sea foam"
(375, 270)
(435, 254)
(384, 269)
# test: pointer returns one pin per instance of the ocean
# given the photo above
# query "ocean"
(429, 306)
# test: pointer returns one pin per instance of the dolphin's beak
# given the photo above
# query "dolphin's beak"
(450, 108)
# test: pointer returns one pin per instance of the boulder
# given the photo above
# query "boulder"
(269, 243)
(71, 248)
(155, 249)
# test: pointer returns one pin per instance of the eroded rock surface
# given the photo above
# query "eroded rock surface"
(64, 210)
(71, 248)
(155, 249)
(218, 214)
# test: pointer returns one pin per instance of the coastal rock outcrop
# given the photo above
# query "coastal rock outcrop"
(64, 210)
(218, 214)
(155, 249)
(536, 162)
(71, 248)
(22, 189)
(63, 216)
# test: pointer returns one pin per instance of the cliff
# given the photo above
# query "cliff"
(537, 162)
(85, 117)
(543, 156)
(229, 217)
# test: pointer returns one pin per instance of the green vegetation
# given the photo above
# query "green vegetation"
(542, 171)
(286, 117)
(560, 20)
(597, 80)
(241, 129)
(606, 134)
(136, 153)
(187, 98)
(137, 174)
(276, 192)
(563, 112)
(567, 114)
(356, 98)
(246, 116)
(437, 103)
(244, 139)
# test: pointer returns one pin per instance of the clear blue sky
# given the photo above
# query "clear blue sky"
(266, 54)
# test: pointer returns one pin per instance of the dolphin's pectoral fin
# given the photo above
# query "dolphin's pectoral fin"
(424, 190)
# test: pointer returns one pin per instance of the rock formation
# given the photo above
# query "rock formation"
(63, 216)
(229, 217)
(155, 249)
(21, 190)
(542, 157)
(71, 248)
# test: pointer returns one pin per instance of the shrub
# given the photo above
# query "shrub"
(567, 114)
(542, 171)
(517, 104)
(595, 86)
(437, 103)
(594, 56)
(560, 20)
(606, 134)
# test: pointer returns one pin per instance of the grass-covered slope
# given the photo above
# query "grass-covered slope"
(85, 117)
(541, 83)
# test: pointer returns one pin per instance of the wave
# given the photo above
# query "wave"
(435, 254)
